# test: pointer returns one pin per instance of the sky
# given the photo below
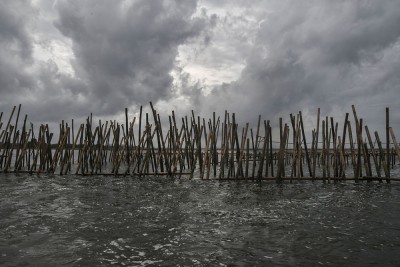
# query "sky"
(63, 59)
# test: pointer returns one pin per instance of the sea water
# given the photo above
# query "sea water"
(158, 221)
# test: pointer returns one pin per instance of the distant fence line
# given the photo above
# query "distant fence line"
(144, 146)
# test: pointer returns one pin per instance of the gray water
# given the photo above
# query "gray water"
(104, 220)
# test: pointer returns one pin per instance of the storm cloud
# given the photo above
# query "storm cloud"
(15, 52)
(65, 59)
(310, 54)
(122, 55)
(124, 52)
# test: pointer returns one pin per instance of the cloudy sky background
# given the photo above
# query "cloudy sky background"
(67, 59)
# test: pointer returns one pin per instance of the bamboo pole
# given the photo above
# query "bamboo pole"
(73, 149)
(334, 138)
(381, 154)
(280, 166)
(18, 162)
(305, 145)
(387, 147)
(242, 144)
(260, 169)
(396, 145)
(371, 145)
(246, 176)
(255, 147)
(341, 158)
(316, 145)
(324, 154)
(342, 170)
(328, 148)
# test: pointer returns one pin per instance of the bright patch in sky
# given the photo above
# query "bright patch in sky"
(58, 51)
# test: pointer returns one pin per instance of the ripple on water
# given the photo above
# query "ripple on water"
(132, 222)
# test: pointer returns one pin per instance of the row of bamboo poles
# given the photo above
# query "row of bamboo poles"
(215, 148)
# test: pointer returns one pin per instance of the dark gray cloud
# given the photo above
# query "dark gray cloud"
(310, 54)
(37, 85)
(124, 52)
(16, 50)
(13, 35)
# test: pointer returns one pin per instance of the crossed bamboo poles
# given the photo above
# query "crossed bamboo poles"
(212, 148)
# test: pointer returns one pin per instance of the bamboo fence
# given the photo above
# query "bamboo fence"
(195, 147)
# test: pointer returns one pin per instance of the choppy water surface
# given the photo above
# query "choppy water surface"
(99, 221)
